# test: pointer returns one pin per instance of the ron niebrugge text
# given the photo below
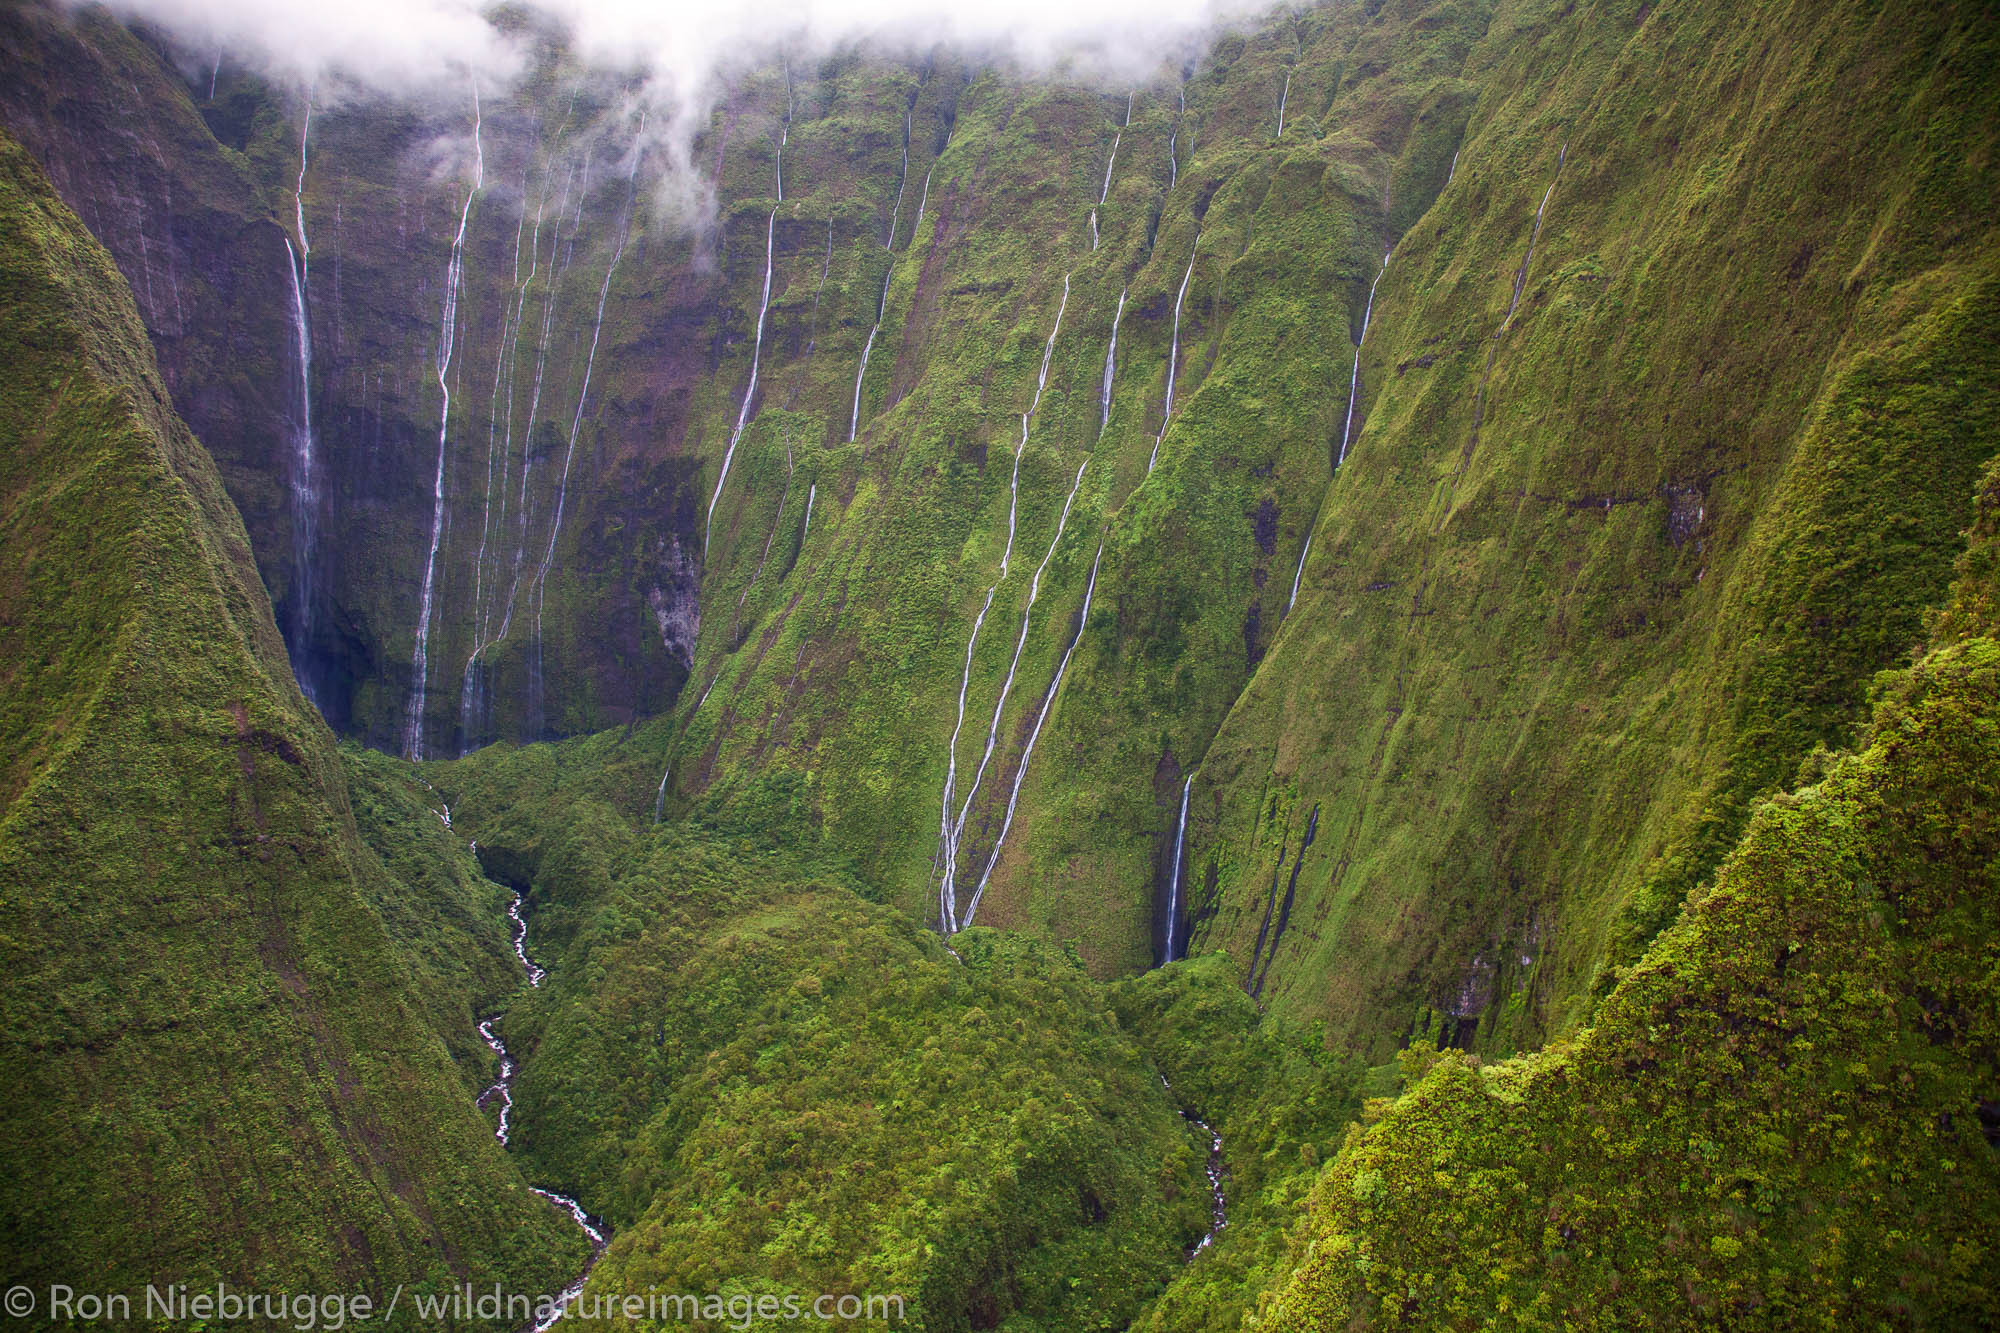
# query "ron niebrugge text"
(177, 1303)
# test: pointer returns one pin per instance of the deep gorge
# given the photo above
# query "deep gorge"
(1406, 596)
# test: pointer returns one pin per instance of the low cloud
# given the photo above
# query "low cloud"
(680, 57)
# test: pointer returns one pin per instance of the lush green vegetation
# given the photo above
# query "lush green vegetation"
(1783, 1112)
(1672, 406)
(223, 1060)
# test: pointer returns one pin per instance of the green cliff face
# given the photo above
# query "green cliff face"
(976, 488)
(222, 1054)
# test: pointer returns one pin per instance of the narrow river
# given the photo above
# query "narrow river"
(503, 1093)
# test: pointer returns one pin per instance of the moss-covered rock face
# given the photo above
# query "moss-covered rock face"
(230, 1020)
(1784, 1109)
(1393, 561)
(1662, 428)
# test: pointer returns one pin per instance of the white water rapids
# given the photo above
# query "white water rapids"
(502, 1091)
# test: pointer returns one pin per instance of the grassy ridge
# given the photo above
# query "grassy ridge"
(1781, 1114)
(771, 1085)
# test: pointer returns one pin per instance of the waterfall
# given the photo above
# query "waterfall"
(805, 529)
(1028, 750)
(1174, 882)
(1020, 642)
(882, 303)
(535, 678)
(756, 351)
(1173, 359)
(1109, 163)
(1284, 97)
(660, 798)
(951, 829)
(922, 199)
(1521, 274)
(902, 183)
(1448, 175)
(1173, 145)
(413, 731)
(305, 488)
(1304, 551)
(470, 691)
(881, 306)
(1354, 376)
(1110, 366)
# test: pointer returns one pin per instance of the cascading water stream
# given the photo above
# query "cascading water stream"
(305, 485)
(1109, 163)
(1354, 376)
(413, 731)
(1534, 235)
(1174, 881)
(1173, 358)
(1453, 171)
(503, 1092)
(1110, 366)
(1284, 97)
(882, 302)
(1028, 750)
(471, 692)
(535, 677)
(757, 349)
(1218, 1174)
(805, 529)
(1304, 551)
(950, 829)
(1173, 145)
(881, 306)
(902, 183)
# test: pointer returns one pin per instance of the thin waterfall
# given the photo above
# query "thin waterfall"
(1304, 551)
(1454, 166)
(1284, 97)
(1110, 365)
(902, 183)
(922, 199)
(535, 678)
(489, 637)
(660, 798)
(1521, 275)
(1173, 144)
(881, 306)
(413, 731)
(1174, 883)
(756, 351)
(1020, 642)
(305, 498)
(1028, 750)
(497, 460)
(1109, 163)
(1354, 376)
(882, 303)
(305, 486)
(951, 829)
(805, 529)
(1173, 359)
